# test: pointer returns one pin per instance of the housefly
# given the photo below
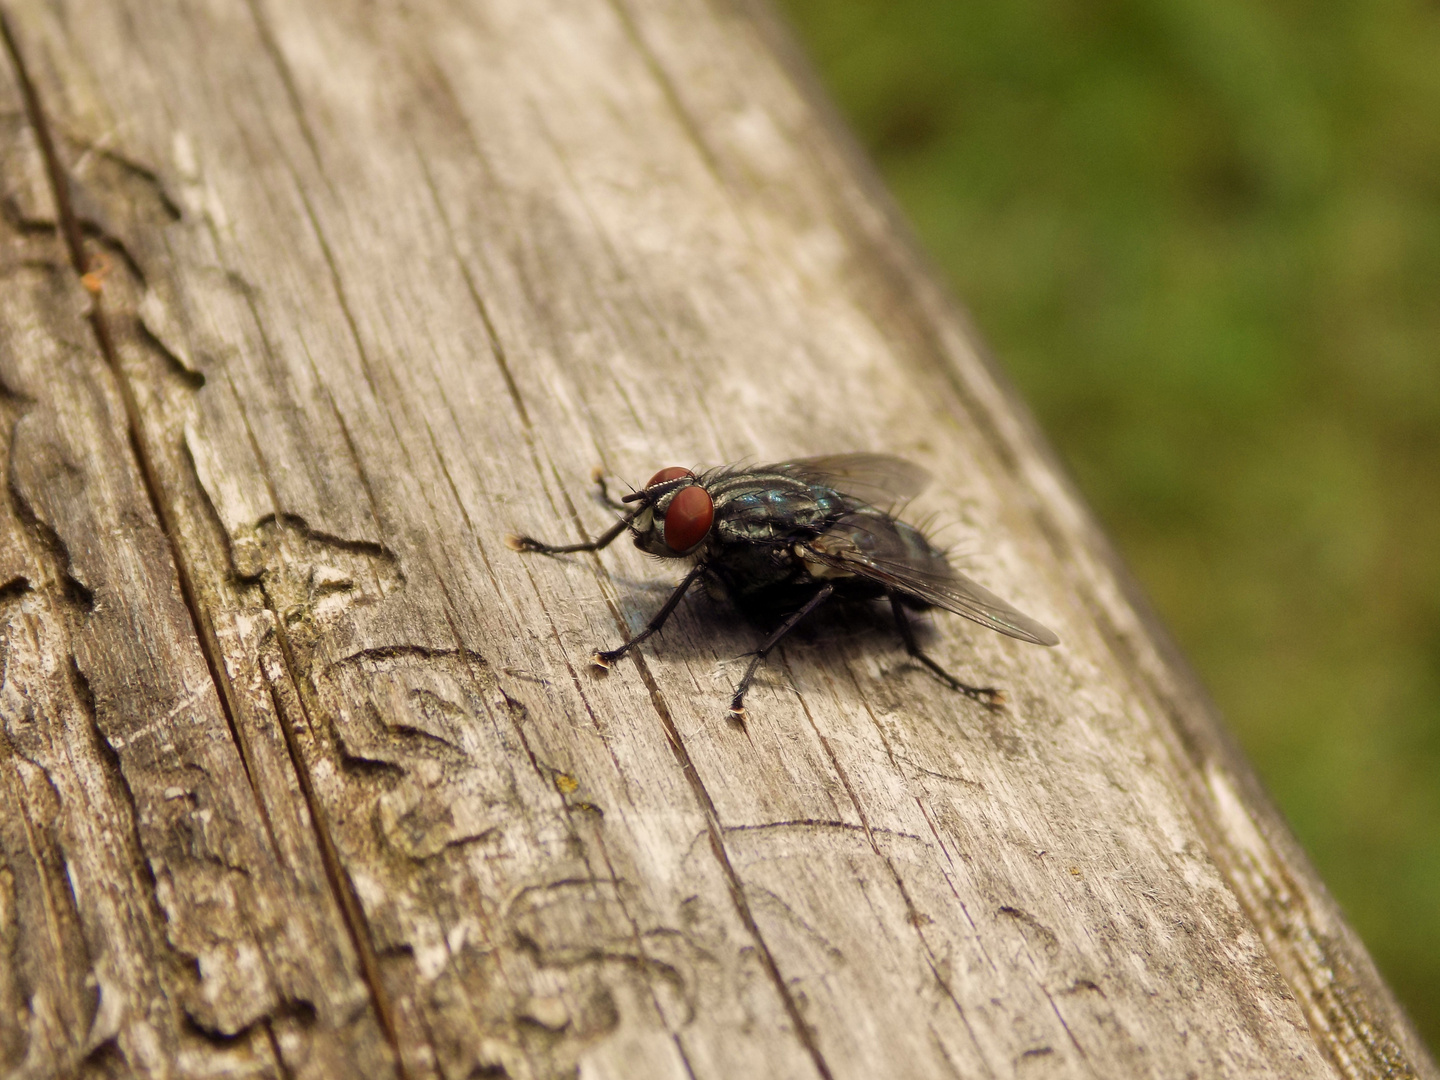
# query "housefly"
(781, 540)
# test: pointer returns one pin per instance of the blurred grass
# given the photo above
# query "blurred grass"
(1204, 236)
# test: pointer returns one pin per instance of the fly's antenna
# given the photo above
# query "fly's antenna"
(657, 491)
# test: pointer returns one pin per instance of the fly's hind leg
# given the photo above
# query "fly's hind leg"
(988, 696)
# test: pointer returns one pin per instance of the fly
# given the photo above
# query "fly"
(782, 540)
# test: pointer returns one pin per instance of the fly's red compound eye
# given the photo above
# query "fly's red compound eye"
(674, 472)
(688, 517)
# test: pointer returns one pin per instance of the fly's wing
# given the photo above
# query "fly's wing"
(896, 555)
(875, 479)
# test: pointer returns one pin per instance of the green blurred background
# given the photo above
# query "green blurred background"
(1204, 237)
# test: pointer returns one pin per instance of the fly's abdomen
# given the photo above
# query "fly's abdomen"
(880, 532)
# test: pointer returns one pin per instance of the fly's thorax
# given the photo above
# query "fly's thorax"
(760, 507)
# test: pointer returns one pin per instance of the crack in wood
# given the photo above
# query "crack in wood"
(497, 347)
(916, 918)
(184, 369)
(516, 712)
(75, 591)
(820, 823)
(341, 885)
(71, 229)
(713, 829)
(802, 1029)
(68, 223)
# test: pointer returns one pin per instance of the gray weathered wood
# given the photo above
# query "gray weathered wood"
(305, 774)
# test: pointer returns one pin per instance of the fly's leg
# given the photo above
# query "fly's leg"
(737, 703)
(529, 543)
(986, 695)
(605, 659)
(598, 476)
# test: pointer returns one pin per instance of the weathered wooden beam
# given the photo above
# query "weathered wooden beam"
(303, 307)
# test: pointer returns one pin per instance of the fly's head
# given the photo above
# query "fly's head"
(677, 515)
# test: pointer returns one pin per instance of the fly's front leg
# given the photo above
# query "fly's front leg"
(598, 477)
(528, 543)
(986, 695)
(737, 703)
(605, 659)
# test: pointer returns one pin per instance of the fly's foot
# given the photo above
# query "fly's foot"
(991, 698)
(606, 659)
(516, 542)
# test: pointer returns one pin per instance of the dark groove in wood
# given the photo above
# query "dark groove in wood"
(66, 221)
(204, 632)
(340, 884)
(70, 228)
(732, 879)
(717, 839)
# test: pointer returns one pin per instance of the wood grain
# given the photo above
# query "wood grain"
(306, 774)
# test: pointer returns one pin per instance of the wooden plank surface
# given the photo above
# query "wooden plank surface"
(306, 773)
